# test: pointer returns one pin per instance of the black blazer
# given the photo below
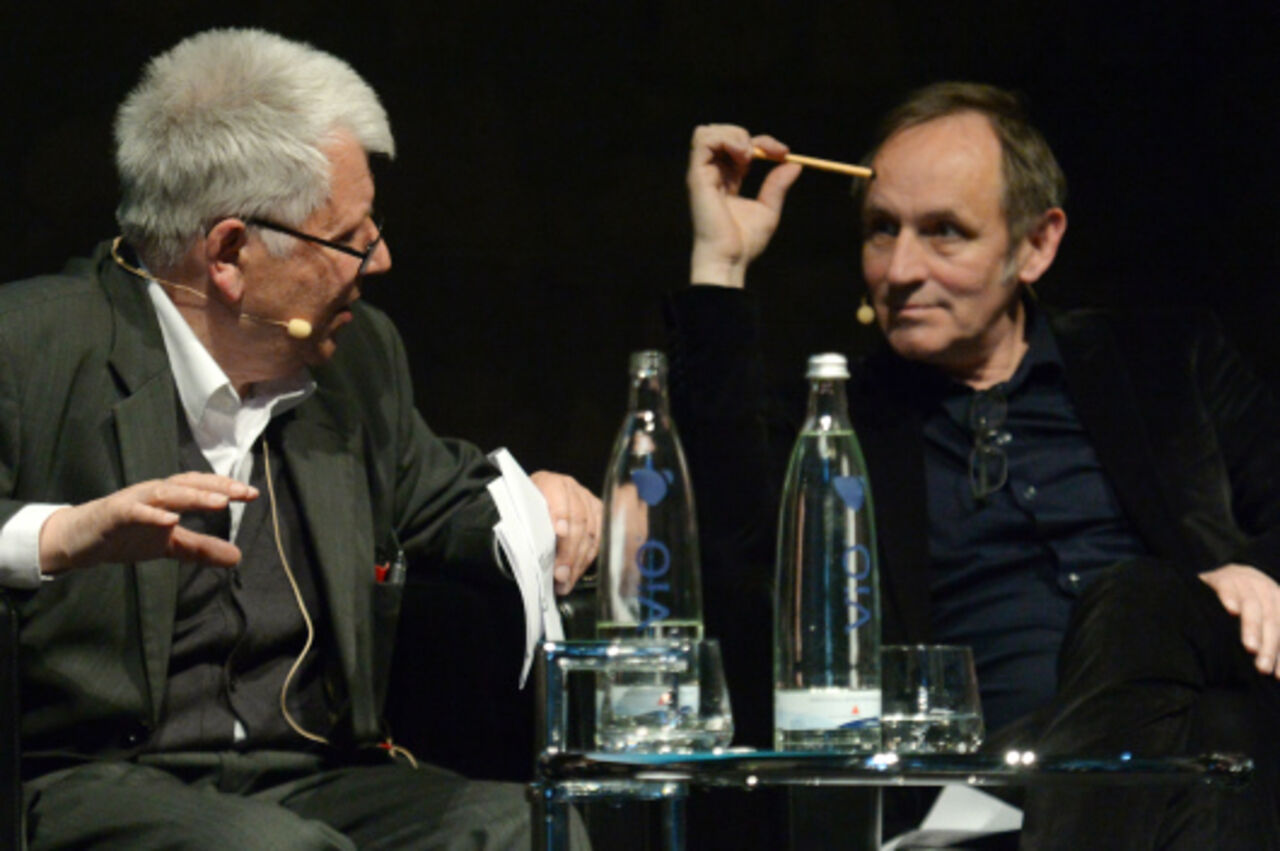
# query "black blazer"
(1189, 438)
(88, 405)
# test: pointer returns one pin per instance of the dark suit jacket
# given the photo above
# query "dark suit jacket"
(1188, 437)
(88, 405)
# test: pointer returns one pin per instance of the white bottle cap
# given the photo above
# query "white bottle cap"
(648, 362)
(828, 365)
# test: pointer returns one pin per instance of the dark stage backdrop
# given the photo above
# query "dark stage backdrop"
(536, 210)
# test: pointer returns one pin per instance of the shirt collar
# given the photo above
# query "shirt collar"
(1042, 360)
(923, 387)
(1042, 349)
(203, 386)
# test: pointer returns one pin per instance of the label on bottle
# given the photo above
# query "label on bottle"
(825, 708)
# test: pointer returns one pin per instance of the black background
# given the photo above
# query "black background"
(536, 210)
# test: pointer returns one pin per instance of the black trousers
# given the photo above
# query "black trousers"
(1153, 664)
(268, 800)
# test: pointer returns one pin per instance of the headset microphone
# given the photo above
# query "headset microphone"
(297, 327)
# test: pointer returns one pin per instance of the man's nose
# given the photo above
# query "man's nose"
(907, 262)
(380, 261)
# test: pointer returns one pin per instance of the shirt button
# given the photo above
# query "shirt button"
(1029, 492)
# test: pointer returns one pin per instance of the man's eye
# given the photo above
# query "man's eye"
(880, 228)
(357, 237)
(947, 230)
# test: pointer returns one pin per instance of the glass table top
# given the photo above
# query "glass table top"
(747, 768)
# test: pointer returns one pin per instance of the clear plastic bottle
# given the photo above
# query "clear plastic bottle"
(650, 581)
(827, 615)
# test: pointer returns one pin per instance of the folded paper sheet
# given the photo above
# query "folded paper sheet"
(528, 541)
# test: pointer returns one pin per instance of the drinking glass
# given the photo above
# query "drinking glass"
(930, 699)
(683, 708)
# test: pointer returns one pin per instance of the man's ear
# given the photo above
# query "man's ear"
(1040, 245)
(223, 247)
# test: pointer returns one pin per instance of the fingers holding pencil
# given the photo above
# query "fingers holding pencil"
(730, 229)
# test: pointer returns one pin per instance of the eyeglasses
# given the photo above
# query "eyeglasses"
(365, 255)
(988, 463)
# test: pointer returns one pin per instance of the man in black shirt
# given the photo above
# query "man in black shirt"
(1111, 512)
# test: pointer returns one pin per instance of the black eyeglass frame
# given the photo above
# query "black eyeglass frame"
(364, 256)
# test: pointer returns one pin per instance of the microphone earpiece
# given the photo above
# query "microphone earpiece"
(297, 327)
(866, 313)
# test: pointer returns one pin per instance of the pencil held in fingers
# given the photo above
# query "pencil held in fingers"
(820, 164)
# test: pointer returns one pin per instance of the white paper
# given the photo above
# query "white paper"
(960, 813)
(529, 542)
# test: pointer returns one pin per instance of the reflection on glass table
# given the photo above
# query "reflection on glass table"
(748, 769)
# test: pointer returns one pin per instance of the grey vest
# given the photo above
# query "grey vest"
(237, 631)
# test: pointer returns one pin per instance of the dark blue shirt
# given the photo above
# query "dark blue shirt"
(1009, 566)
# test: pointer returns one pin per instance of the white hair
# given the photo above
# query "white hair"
(232, 122)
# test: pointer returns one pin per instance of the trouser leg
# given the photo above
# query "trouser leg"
(397, 807)
(120, 805)
(271, 801)
(1149, 653)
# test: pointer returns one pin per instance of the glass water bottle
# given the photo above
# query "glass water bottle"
(827, 607)
(650, 584)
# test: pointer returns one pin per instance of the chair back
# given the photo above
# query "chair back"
(11, 808)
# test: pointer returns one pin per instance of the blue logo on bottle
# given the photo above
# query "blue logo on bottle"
(653, 558)
(852, 491)
(651, 484)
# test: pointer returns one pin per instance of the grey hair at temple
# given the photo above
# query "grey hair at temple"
(233, 122)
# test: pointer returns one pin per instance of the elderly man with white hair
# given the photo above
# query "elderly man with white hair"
(212, 477)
